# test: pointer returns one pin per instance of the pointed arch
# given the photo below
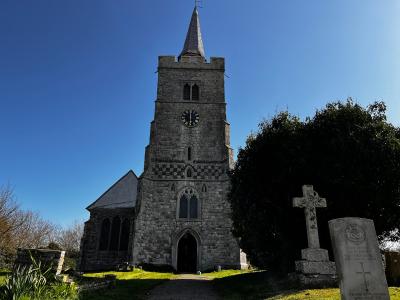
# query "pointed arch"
(195, 92)
(104, 234)
(186, 92)
(115, 232)
(125, 231)
(188, 204)
(175, 241)
(183, 207)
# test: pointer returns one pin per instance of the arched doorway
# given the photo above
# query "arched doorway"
(187, 254)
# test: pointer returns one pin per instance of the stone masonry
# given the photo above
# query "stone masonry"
(157, 226)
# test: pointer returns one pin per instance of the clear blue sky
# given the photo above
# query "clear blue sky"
(78, 82)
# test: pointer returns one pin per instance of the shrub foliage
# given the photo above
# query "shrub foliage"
(349, 153)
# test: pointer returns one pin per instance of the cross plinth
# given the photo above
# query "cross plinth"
(310, 201)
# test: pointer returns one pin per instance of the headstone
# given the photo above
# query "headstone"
(392, 270)
(47, 257)
(358, 259)
(314, 268)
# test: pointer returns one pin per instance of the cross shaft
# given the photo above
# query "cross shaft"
(309, 202)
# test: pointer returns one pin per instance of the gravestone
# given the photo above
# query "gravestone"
(47, 257)
(358, 259)
(314, 268)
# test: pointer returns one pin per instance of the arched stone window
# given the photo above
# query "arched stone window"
(193, 207)
(104, 234)
(189, 172)
(204, 188)
(186, 92)
(115, 230)
(125, 229)
(183, 207)
(188, 205)
(195, 92)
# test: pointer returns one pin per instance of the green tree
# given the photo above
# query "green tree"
(349, 153)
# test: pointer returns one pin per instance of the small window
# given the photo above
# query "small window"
(204, 188)
(115, 229)
(104, 235)
(195, 92)
(186, 92)
(183, 207)
(173, 187)
(189, 152)
(189, 172)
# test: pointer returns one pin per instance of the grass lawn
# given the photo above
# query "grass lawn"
(230, 284)
(130, 285)
(233, 284)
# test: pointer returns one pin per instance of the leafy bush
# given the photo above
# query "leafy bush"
(35, 282)
(349, 153)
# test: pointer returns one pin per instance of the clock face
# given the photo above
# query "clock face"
(190, 118)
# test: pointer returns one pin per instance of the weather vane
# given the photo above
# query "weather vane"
(198, 3)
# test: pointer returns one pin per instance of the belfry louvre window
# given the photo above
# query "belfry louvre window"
(186, 92)
(191, 92)
(195, 92)
(188, 207)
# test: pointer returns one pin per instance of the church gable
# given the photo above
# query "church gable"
(121, 194)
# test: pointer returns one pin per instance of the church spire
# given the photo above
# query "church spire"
(193, 43)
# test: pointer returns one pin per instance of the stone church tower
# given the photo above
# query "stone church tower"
(181, 214)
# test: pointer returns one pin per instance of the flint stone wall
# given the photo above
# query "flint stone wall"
(91, 258)
(157, 227)
(47, 257)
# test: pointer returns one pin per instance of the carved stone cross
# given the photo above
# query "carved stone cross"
(364, 274)
(309, 202)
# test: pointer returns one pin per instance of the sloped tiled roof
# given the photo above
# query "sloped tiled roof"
(121, 194)
(193, 43)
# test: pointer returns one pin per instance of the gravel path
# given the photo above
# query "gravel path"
(192, 287)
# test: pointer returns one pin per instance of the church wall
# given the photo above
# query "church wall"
(157, 225)
(91, 258)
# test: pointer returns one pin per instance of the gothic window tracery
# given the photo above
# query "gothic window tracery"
(104, 234)
(125, 230)
(115, 232)
(188, 205)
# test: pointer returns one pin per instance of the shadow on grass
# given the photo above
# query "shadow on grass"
(131, 289)
(256, 285)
